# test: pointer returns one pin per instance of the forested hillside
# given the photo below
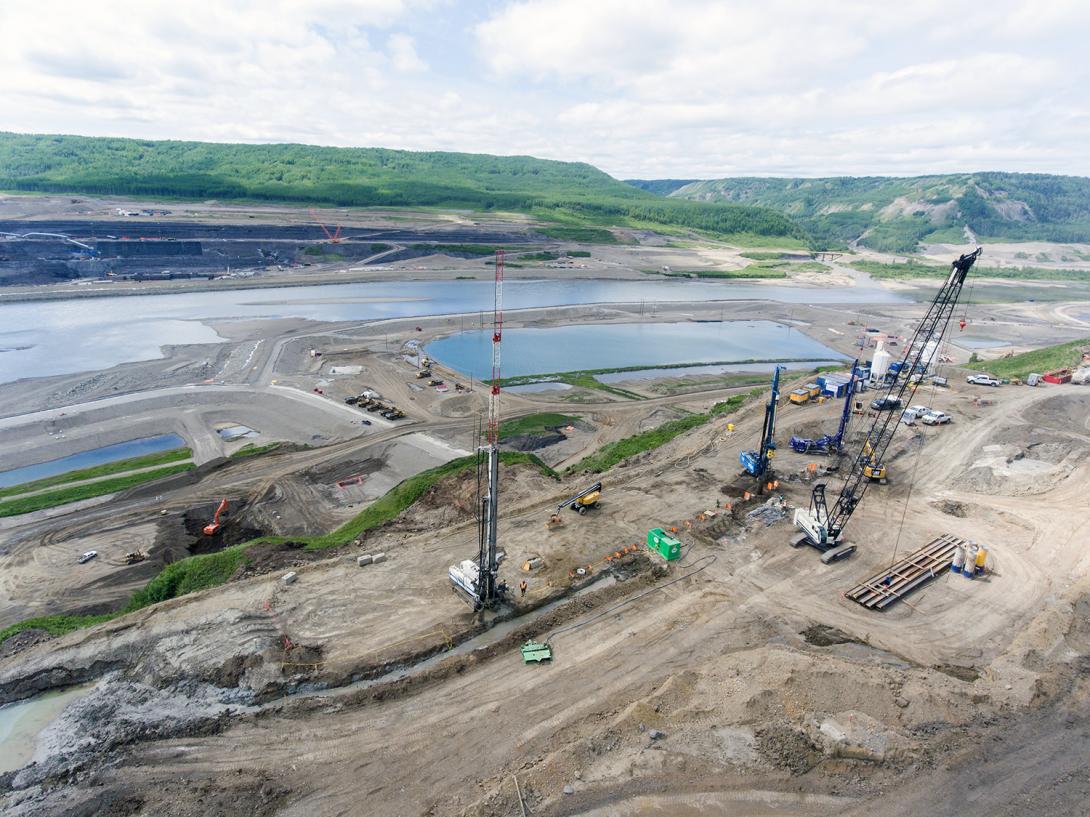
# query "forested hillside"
(896, 214)
(660, 187)
(565, 191)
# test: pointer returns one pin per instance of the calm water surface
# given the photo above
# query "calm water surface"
(88, 459)
(602, 346)
(59, 337)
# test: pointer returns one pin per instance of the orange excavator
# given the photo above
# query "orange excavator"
(213, 527)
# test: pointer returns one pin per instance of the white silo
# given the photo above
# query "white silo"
(880, 364)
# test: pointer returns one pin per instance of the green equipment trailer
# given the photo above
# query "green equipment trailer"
(533, 651)
(663, 544)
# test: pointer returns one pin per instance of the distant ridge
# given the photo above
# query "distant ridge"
(896, 214)
(570, 193)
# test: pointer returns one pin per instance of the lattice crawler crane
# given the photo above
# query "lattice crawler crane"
(822, 527)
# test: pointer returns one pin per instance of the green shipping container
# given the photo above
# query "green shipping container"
(663, 544)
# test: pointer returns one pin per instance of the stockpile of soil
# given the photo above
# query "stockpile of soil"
(20, 641)
(235, 527)
(454, 500)
(272, 557)
(533, 442)
(330, 474)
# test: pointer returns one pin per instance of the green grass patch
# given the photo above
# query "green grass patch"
(753, 240)
(54, 625)
(74, 493)
(578, 253)
(762, 255)
(584, 235)
(1061, 356)
(609, 455)
(573, 376)
(456, 249)
(534, 424)
(726, 381)
(188, 576)
(760, 269)
(252, 450)
(131, 464)
(916, 269)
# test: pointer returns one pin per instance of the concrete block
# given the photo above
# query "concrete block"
(289, 578)
(378, 557)
(364, 560)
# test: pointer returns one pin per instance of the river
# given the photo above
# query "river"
(41, 338)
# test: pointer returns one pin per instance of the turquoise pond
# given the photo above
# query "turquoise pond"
(89, 459)
(604, 346)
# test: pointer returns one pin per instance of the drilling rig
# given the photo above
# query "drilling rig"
(477, 580)
(831, 443)
(822, 527)
(756, 463)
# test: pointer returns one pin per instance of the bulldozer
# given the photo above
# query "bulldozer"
(420, 375)
(580, 503)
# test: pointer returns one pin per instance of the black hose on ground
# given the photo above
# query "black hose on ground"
(708, 560)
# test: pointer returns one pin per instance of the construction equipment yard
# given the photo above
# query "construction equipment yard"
(746, 677)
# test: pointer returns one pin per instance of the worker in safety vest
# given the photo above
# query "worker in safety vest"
(522, 587)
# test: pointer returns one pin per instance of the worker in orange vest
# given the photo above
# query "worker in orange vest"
(522, 587)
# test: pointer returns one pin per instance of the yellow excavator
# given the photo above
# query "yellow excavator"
(872, 469)
(580, 503)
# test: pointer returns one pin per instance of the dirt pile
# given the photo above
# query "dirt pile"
(270, 557)
(454, 500)
(786, 747)
(533, 442)
(23, 640)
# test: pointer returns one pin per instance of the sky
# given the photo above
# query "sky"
(639, 88)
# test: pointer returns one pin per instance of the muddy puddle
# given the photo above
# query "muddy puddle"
(22, 722)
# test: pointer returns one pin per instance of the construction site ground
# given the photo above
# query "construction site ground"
(735, 681)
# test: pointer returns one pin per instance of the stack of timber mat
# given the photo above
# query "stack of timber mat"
(894, 583)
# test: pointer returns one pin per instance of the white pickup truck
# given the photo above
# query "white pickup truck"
(982, 380)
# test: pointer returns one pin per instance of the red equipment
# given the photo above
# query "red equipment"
(497, 336)
(212, 528)
(334, 238)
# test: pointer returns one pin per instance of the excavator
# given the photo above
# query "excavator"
(822, 526)
(580, 503)
(830, 443)
(213, 527)
(756, 463)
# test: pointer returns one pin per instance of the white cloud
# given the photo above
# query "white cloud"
(683, 88)
(403, 54)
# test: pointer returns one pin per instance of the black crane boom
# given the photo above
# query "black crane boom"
(823, 525)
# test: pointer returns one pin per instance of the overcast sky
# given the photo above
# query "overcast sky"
(639, 88)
